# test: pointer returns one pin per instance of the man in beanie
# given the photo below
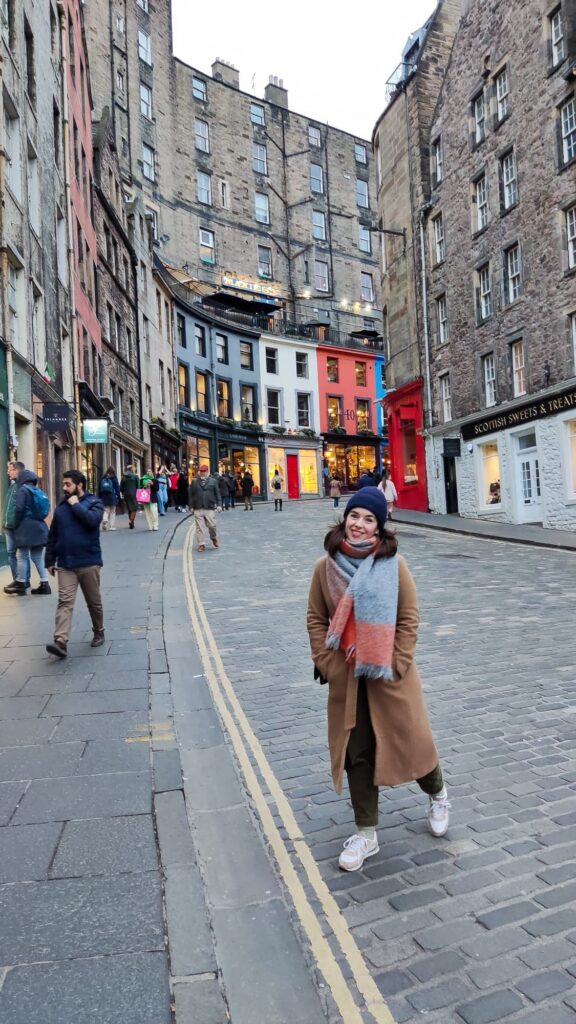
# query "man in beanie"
(204, 500)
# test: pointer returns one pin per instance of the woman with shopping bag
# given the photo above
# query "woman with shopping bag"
(147, 496)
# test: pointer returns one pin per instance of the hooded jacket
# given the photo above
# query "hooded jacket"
(28, 532)
(74, 536)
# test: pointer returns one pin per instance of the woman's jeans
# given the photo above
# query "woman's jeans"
(359, 765)
(162, 498)
(336, 502)
(24, 558)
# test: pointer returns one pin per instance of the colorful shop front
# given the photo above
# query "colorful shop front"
(406, 445)
(298, 459)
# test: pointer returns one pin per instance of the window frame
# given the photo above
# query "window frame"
(184, 385)
(262, 211)
(502, 96)
(367, 248)
(259, 165)
(145, 102)
(228, 414)
(201, 139)
(445, 397)
(508, 183)
(308, 411)
(518, 368)
(570, 228)
(246, 349)
(556, 58)
(437, 161)
(145, 47)
(338, 399)
(439, 239)
(305, 365)
(479, 117)
(332, 363)
(362, 193)
(206, 244)
(199, 89)
(484, 299)
(200, 340)
(321, 281)
(359, 364)
(258, 115)
(277, 407)
(199, 376)
(442, 318)
(202, 190)
(512, 273)
(253, 403)
(316, 181)
(319, 227)
(568, 130)
(361, 157)
(315, 141)
(151, 163)
(265, 275)
(367, 286)
(489, 381)
(221, 341)
(181, 339)
(271, 354)
(482, 207)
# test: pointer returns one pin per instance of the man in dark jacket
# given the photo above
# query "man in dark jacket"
(224, 485)
(204, 499)
(30, 535)
(247, 488)
(74, 551)
(14, 468)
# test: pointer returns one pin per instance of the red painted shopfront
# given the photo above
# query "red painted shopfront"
(407, 458)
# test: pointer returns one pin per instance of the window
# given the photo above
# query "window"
(201, 135)
(223, 390)
(362, 414)
(318, 225)
(442, 319)
(571, 236)
(13, 157)
(162, 383)
(204, 188)
(573, 335)
(316, 179)
(181, 330)
(303, 410)
(366, 287)
(489, 474)
(502, 90)
(264, 262)
(159, 309)
(314, 137)
(334, 413)
(479, 118)
(30, 78)
(518, 368)
(437, 161)
(508, 181)
(360, 153)
(148, 401)
(144, 47)
(489, 374)
(34, 203)
(183, 385)
(202, 403)
(200, 340)
(148, 161)
(222, 348)
(273, 403)
(332, 370)
(445, 398)
(481, 196)
(320, 276)
(484, 293)
(568, 129)
(146, 333)
(120, 24)
(224, 200)
(439, 246)
(199, 89)
(302, 364)
(119, 80)
(144, 5)
(571, 428)
(360, 373)
(271, 360)
(261, 208)
(206, 246)
(512, 273)
(364, 241)
(257, 114)
(362, 193)
(246, 358)
(557, 37)
(248, 404)
(259, 159)
(146, 100)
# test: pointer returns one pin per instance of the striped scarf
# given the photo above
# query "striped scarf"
(365, 593)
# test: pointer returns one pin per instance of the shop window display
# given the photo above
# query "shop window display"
(572, 458)
(248, 459)
(409, 463)
(276, 461)
(490, 474)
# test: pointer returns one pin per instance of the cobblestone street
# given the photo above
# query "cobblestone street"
(480, 926)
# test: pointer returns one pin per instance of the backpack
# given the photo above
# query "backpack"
(106, 485)
(40, 503)
(277, 485)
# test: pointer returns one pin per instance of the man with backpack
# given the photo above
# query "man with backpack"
(73, 549)
(31, 506)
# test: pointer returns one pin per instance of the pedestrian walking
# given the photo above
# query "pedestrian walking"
(366, 480)
(173, 487)
(31, 506)
(204, 500)
(362, 623)
(73, 551)
(232, 488)
(336, 490)
(149, 485)
(8, 514)
(247, 489)
(182, 492)
(224, 485)
(128, 486)
(162, 494)
(389, 491)
(277, 490)
(109, 492)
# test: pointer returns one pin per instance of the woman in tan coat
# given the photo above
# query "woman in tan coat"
(363, 624)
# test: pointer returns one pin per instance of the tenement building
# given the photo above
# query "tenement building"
(500, 240)
(402, 156)
(271, 210)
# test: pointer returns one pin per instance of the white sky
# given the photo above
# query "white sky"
(334, 58)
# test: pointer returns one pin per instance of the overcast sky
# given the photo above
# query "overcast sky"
(334, 58)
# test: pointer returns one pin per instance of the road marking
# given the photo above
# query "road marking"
(245, 743)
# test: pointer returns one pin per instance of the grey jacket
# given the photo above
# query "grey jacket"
(204, 495)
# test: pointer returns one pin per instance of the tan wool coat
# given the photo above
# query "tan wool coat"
(405, 749)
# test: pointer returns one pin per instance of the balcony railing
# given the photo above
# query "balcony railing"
(296, 327)
(397, 78)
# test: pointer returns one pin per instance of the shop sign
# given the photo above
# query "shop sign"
(520, 415)
(95, 431)
(55, 416)
(249, 284)
(451, 447)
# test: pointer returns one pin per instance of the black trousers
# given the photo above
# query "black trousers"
(359, 767)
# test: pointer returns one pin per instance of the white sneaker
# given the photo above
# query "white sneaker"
(439, 813)
(356, 850)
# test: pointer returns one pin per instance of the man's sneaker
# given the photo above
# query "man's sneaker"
(43, 588)
(356, 850)
(58, 648)
(16, 588)
(201, 547)
(98, 639)
(215, 542)
(439, 813)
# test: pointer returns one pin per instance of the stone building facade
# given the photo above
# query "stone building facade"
(248, 196)
(501, 254)
(401, 143)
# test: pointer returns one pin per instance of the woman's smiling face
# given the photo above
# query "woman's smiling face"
(360, 525)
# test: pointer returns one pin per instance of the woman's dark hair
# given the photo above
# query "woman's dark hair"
(110, 471)
(387, 547)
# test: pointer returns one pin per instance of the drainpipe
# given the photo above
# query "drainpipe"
(423, 211)
(12, 439)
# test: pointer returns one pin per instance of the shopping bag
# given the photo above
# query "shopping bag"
(143, 495)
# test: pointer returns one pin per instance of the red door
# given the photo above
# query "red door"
(292, 474)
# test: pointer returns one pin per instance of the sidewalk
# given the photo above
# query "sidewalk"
(536, 535)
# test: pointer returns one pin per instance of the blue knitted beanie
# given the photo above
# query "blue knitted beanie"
(372, 499)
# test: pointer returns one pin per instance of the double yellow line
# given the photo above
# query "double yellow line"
(246, 745)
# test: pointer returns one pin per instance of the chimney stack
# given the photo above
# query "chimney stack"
(276, 93)
(222, 71)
